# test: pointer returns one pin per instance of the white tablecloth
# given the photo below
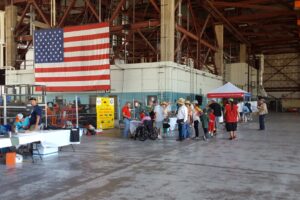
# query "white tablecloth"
(133, 125)
(48, 138)
(5, 142)
(172, 122)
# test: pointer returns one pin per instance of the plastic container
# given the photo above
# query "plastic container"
(10, 158)
(19, 158)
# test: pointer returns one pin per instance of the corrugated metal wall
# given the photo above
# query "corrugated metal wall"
(282, 75)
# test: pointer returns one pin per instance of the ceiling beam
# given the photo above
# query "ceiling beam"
(155, 5)
(195, 37)
(136, 26)
(146, 40)
(208, 5)
(219, 4)
(117, 11)
(261, 16)
(66, 13)
(92, 9)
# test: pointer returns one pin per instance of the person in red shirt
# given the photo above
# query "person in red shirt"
(211, 123)
(231, 115)
(126, 118)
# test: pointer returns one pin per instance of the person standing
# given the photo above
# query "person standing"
(159, 118)
(262, 111)
(240, 109)
(216, 107)
(231, 118)
(246, 112)
(196, 118)
(204, 121)
(248, 104)
(35, 118)
(182, 117)
(126, 118)
(212, 121)
(189, 119)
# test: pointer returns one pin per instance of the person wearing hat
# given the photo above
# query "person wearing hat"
(189, 119)
(262, 111)
(35, 118)
(182, 117)
(231, 116)
(165, 107)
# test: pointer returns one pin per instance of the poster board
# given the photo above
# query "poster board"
(105, 112)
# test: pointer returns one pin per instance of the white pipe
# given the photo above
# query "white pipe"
(46, 113)
(5, 109)
(76, 106)
(54, 12)
(261, 69)
(100, 5)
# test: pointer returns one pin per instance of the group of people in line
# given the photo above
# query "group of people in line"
(189, 115)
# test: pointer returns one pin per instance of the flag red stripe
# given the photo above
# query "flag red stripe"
(86, 37)
(71, 69)
(75, 88)
(87, 48)
(72, 78)
(86, 58)
(86, 27)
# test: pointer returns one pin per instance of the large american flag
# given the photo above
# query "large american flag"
(73, 59)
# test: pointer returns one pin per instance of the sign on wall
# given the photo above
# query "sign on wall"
(105, 112)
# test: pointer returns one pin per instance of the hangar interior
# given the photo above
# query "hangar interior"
(168, 49)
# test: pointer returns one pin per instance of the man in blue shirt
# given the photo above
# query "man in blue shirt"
(35, 115)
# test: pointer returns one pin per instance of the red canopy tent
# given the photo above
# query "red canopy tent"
(227, 91)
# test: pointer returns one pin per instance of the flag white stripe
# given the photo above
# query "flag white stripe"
(86, 32)
(87, 53)
(74, 83)
(86, 42)
(73, 74)
(72, 64)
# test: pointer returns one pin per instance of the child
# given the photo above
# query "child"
(145, 117)
(21, 123)
(211, 124)
(204, 121)
(142, 114)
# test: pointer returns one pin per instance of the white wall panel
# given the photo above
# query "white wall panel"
(145, 77)
(14, 77)
(163, 77)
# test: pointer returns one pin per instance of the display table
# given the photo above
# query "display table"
(50, 140)
(5, 142)
(133, 125)
(25, 138)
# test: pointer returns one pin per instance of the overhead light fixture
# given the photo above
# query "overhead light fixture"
(229, 9)
(243, 25)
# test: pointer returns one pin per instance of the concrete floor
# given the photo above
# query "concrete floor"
(259, 165)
